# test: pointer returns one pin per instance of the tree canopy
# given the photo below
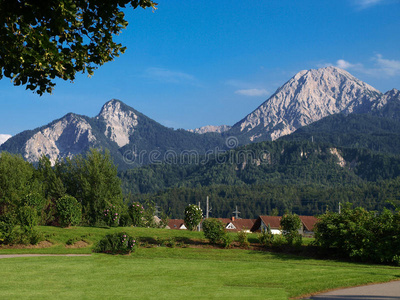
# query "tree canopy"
(48, 39)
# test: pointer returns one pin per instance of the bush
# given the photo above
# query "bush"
(214, 230)
(136, 212)
(227, 240)
(243, 239)
(278, 241)
(193, 216)
(69, 211)
(361, 235)
(111, 216)
(266, 237)
(27, 217)
(7, 228)
(125, 220)
(38, 202)
(290, 224)
(116, 243)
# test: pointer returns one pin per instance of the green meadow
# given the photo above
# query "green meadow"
(190, 269)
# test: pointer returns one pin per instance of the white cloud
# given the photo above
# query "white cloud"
(390, 67)
(4, 137)
(382, 67)
(252, 92)
(165, 75)
(344, 64)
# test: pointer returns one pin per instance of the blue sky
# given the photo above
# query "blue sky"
(196, 63)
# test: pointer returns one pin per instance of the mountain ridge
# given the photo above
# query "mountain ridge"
(134, 139)
(307, 97)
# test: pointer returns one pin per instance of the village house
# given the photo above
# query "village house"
(262, 223)
(307, 224)
(176, 224)
(255, 225)
(235, 224)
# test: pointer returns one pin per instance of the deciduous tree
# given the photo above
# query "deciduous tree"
(48, 39)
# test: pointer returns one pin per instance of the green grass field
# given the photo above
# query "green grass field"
(161, 272)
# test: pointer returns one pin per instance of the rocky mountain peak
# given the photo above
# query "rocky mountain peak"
(62, 138)
(120, 122)
(307, 97)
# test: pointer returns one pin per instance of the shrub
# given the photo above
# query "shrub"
(7, 227)
(278, 240)
(136, 212)
(111, 216)
(193, 216)
(360, 234)
(266, 237)
(116, 243)
(227, 240)
(27, 217)
(214, 230)
(125, 220)
(38, 202)
(69, 211)
(243, 239)
(290, 224)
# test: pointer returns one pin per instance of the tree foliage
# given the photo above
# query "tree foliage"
(193, 216)
(48, 39)
(360, 234)
(290, 224)
(69, 211)
(16, 181)
(93, 181)
(214, 230)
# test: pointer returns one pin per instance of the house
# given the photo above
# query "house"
(240, 224)
(307, 224)
(237, 224)
(262, 223)
(176, 224)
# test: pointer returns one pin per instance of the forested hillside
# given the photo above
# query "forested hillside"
(304, 177)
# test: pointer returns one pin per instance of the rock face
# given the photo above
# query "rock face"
(210, 128)
(131, 137)
(64, 138)
(307, 97)
(134, 139)
(120, 124)
(387, 98)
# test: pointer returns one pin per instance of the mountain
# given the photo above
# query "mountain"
(307, 97)
(211, 128)
(377, 130)
(131, 137)
(134, 139)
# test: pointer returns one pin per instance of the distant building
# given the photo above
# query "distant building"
(307, 224)
(262, 223)
(176, 224)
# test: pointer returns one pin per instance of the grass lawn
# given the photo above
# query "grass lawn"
(161, 272)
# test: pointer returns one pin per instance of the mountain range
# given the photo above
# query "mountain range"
(134, 139)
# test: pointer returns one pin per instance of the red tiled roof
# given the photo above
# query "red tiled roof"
(273, 221)
(175, 223)
(226, 221)
(243, 223)
(308, 222)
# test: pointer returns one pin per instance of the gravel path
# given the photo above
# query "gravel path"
(382, 291)
(32, 255)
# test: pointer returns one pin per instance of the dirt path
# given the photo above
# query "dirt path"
(382, 291)
(32, 255)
